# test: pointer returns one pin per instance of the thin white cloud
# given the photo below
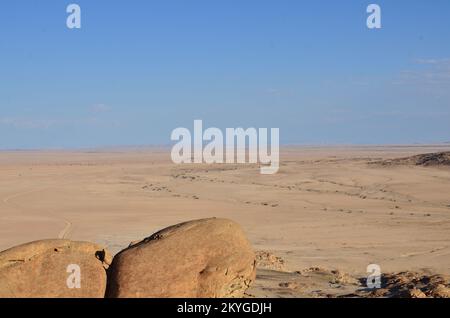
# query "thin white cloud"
(100, 108)
(47, 123)
(445, 61)
(432, 72)
(29, 123)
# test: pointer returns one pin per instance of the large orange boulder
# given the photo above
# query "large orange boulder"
(54, 268)
(202, 258)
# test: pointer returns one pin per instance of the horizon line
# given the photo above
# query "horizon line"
(284, 145)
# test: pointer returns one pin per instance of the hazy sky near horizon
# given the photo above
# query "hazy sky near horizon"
(136, 70)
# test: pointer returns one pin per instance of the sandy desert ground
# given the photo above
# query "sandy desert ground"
(317, 224)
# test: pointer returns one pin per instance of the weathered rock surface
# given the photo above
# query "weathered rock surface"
(413, 285)
(40, 270)
(426, 160)
(202, 258)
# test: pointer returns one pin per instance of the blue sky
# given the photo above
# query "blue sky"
(138, 69)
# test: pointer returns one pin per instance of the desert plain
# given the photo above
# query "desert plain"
(316, 225)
